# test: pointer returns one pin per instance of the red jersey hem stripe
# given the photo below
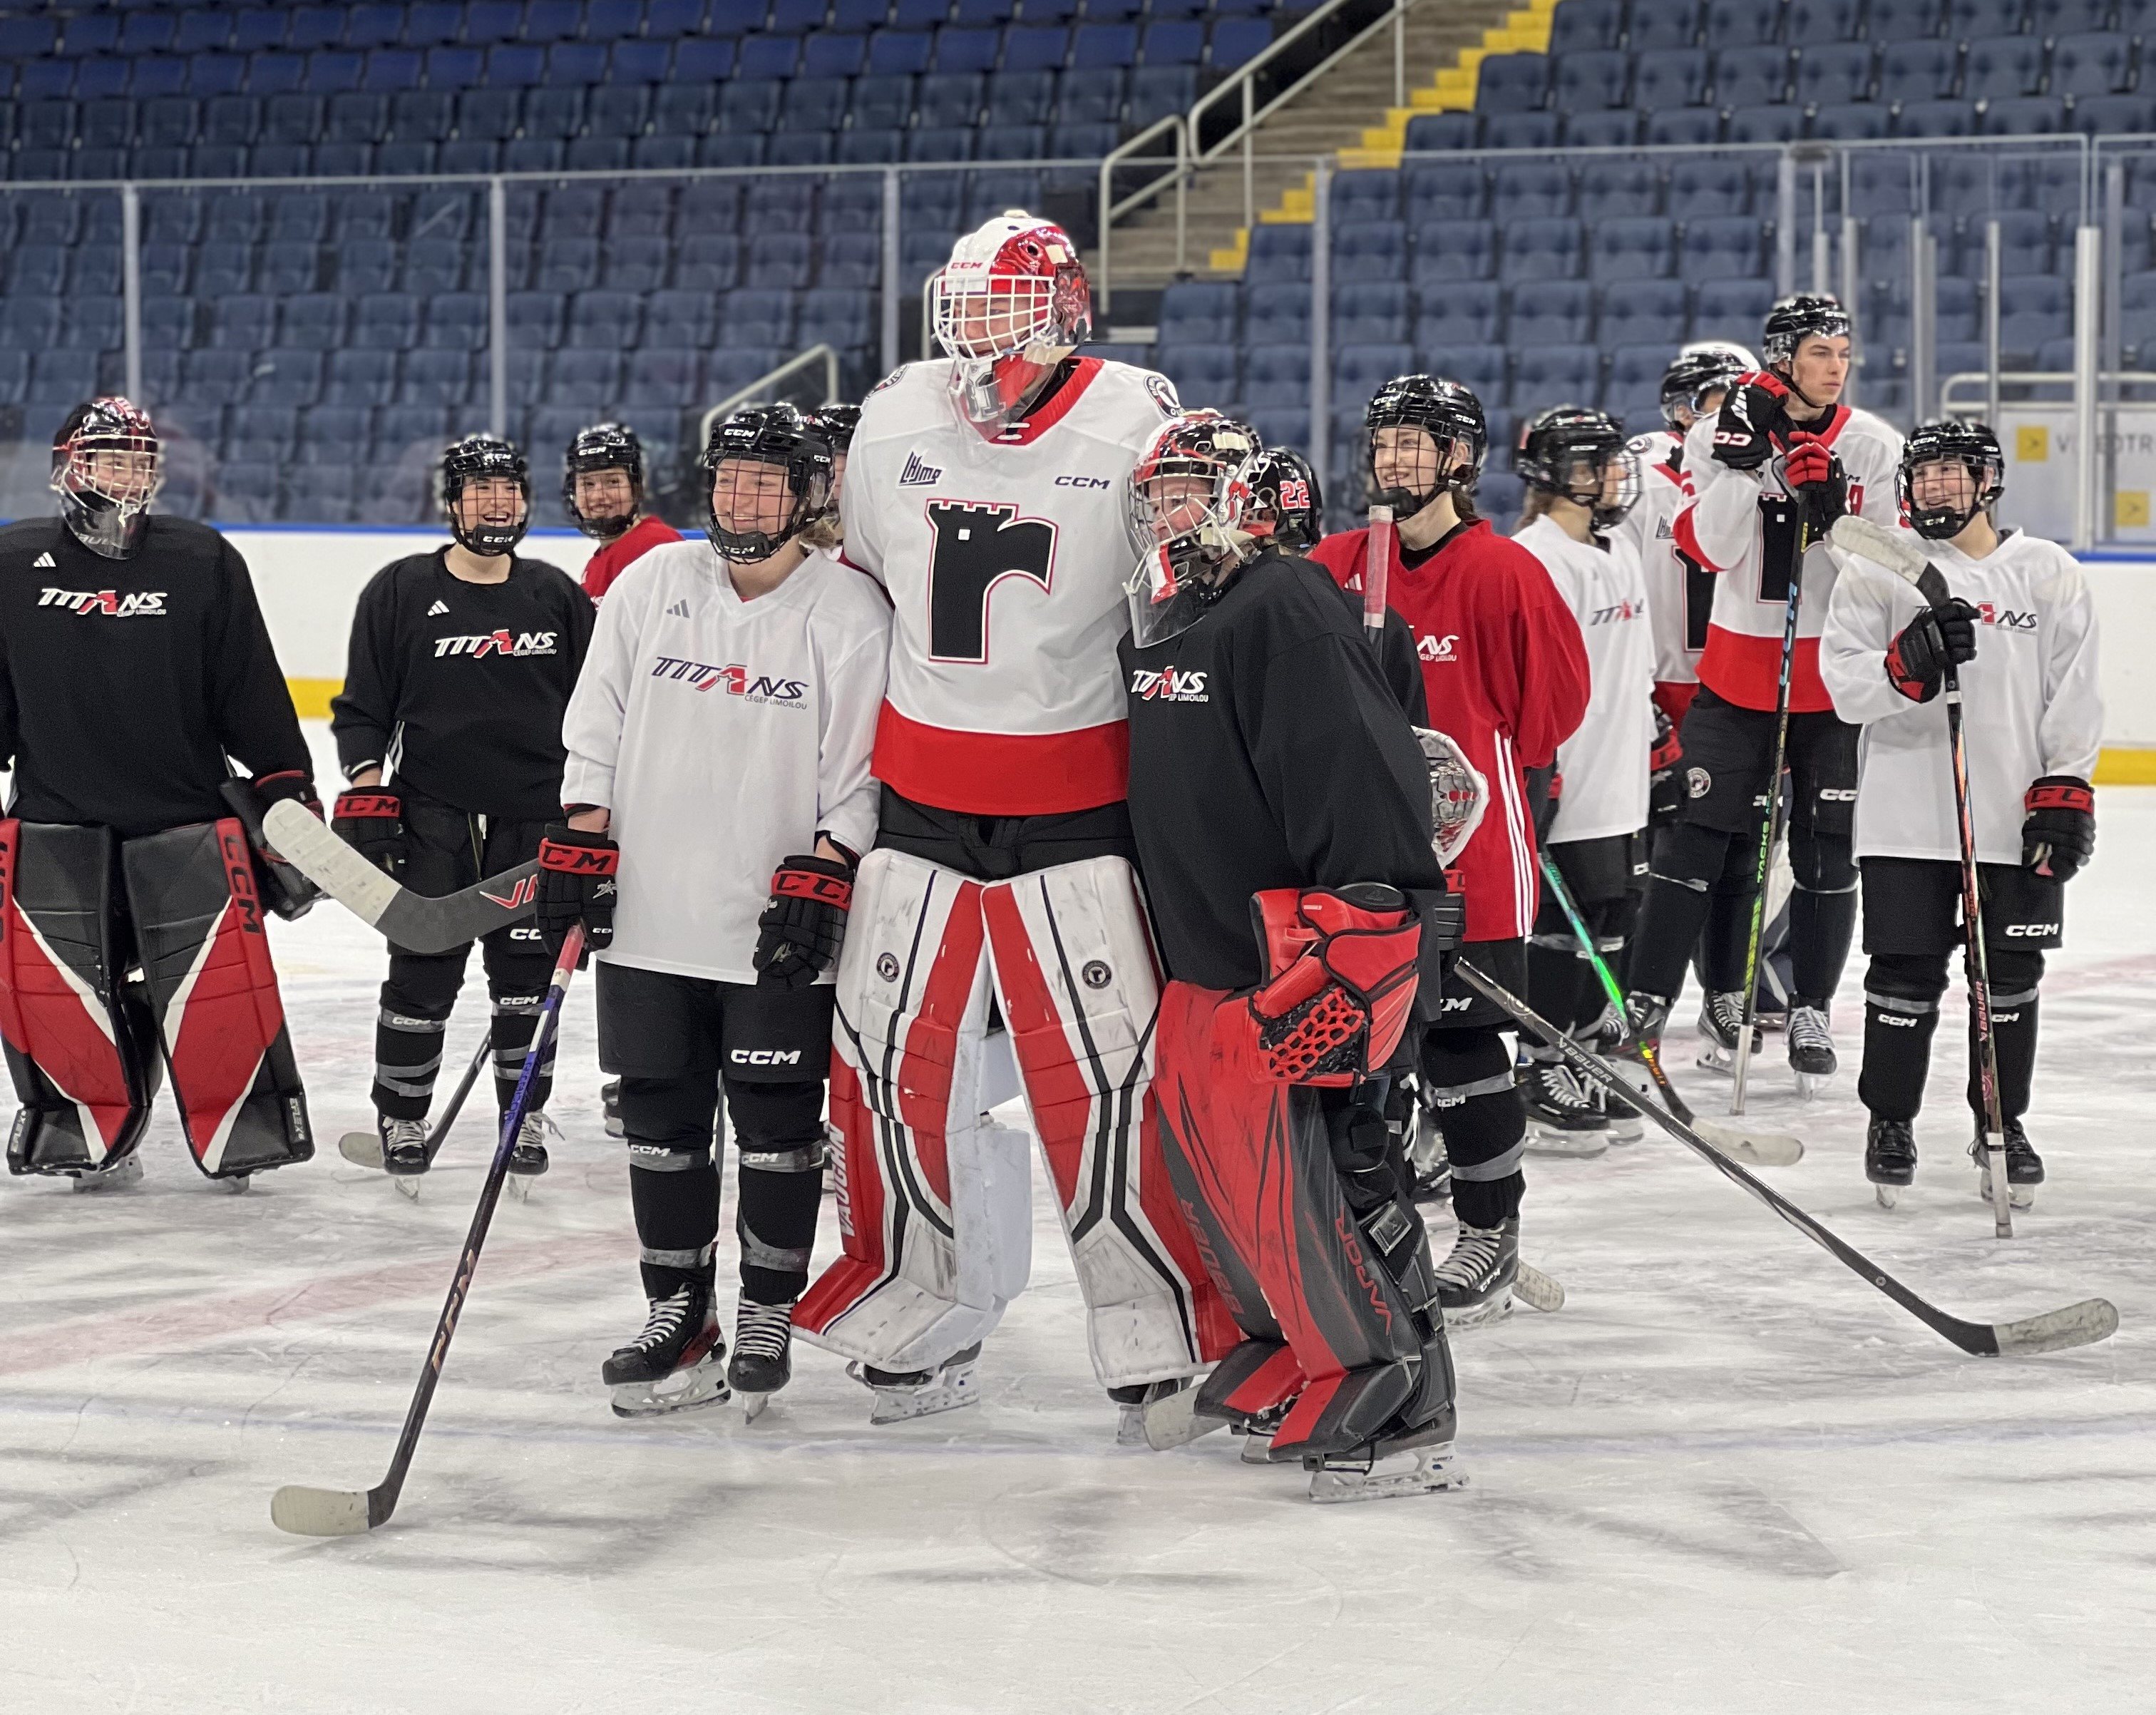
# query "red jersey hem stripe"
(1748, 671)
(1003, 773)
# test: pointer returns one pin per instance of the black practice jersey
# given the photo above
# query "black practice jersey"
(126, 685)
(459, 688)
(1267, 750)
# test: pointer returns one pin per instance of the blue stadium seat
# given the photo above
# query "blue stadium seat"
(860, 14)
(2024, 117)
(1812, 23)
(168, 324)
(1461, 314)
(1551, 312)
(1684, 127)
(1970, 20)
(211, 74)
(1881, 184)
(1456, 250)
(1612, 189)
(1737, 23)
(1638, 247)
(682, 110)
(779, 261)
(1543, 376)
(1902, 20)
(1035, 48)
(584, 376)
(554, 114)
(292, 266)
(678, 318)
(1592, 79)
(1636, 374)
(1020, 97)
(1277, 313)
(170, 121)
(1580, 26)
(1198, 312)
(945, 100)
(756, 320)
(166, 268)
(1279, 253)
(1523, 190)
(415, 422)
(2053, 19)
(1277, 376)
(2032, 308)
(1611, 128)
(1370, 312)
(1097, 45)
(1673, 77)
(1365, 193)
(659, 376)
(1833, 73)
(882, 103)
(958, 50)
(2024, 242)
(749, 109)
(987, 194)
(813, 105)
(709, 60)
(1090, 97)
(1722, 247)
(1370, 249)
(357, 378)
(892, 52)
(1764, 125)
(949, 143)
(1750, 77)
(92, 323)
(2108, 115)
(827, 55)
(1204, 375)
(1434, 192)
(241, 320)
(1731, 309)
(1642, 312)
(919, 15)
(708, 262)
(843, 317)
(1511, 83)
(221, 269)
(768, 57)
(1012, 142)
(1852, 121)
(1436, 132)
(1157, 91)
(1540, 249)
(850, 260)
(288, 376)
(90, 33)
(870, 148)
(1173, 42)
(292, 118)
(331, 69)
(456, 322)
(2001, 67)
(215, 378)
(1935, 118)
(107, 124)
(1658, 29)
(387, 321)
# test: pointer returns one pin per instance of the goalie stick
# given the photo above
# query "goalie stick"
(2080, 1324)
(364, 1148)
(349, 1512)
(1876, 543)
(409, 920)
(1757, 1149)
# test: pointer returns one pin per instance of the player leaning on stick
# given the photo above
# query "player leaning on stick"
(1768, 473)
(2022, 633)
(718, 776)
(449, 728)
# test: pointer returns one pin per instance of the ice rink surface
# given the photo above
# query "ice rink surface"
(1728, 1477)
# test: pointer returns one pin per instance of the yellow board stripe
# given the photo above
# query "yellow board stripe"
(2116, 765)
(311, 696)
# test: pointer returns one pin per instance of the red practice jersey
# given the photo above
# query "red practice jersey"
(613, 557)
(1507, 674)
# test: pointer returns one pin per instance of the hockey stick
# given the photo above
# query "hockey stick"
(364, 1148)
(1759, 1148)
(1376, 570)
(2080, 1324)
(410, 921)
(348, 1512)
(1860, 535)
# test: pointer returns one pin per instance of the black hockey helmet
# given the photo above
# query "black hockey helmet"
(1796, 318)
(107, 465)
(1697, 370)
(768, 434)
(1569, 450)
(604, 446)
(478, 458)
(1972, 445)
(837, 422)
(1452, 414)
(1287, 507)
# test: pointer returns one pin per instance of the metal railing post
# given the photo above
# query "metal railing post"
(1250, 192)
(2088, 287)
(1182, 190)
(1923, 321)
(1991, 357)
(1320, 321)
(2113, 357)
(497, 306)
(1852, 280)
(1785, 223)
(890, 290)
(1399, 54)
(1822, 252)
(130, 285)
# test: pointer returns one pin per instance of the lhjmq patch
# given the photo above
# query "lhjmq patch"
(1698, 782)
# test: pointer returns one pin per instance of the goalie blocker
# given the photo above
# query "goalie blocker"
(115, 953)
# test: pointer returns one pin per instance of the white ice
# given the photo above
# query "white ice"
(1729, 1475)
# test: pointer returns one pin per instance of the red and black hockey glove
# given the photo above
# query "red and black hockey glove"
(370, 819)
(1917, 660)
(1666, 786)
(804, 927)
(1817, 479)
(1341, 973)
(2058, 834)
(576, 872)
(1751, 413)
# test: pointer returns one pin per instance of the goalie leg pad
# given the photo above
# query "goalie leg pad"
(1079, 990)
(80, 1058)
(934, 1206)
(203, 938)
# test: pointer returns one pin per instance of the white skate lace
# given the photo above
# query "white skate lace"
(1472, 1257)
(403, 1132)
(665, 1321)
(538, 1129)
(762, 1330)
(1808, 1028)
(1561, 1086)
(1726, 1012)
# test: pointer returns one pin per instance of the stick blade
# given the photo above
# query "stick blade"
(1537, 1290)
(1174, 1422)
(328, 862)
(1753, 1148)
(323, 1513)
(2082, 1324)
(1856, 535)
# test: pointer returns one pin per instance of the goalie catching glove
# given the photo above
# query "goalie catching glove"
(804, 925)
(2058, 835)
(577, 871)
(1341, 972)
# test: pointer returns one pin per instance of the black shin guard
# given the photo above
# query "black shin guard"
(416, 1001)
(1688, 861)
(778, 1134)
(1822, 912)
(673, 1180)
(1902, 995)
(1468, 1076)
(2015, 976)
(515, 1019)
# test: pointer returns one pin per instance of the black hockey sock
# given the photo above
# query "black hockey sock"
(2013, 980)
(1468, 1076)
(676, 1200)
(1687, 860)
(1487, 1203)
(1901, 1016)
(779, 1133)
(1820, 927)
(515, 1020)
(407, 1058)
(1553, 964)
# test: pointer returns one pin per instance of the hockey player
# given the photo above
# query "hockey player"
(1507, 677)
(1314, 830)
(603, 493)
(133, 663)
(1767, 476)
(2022, 631)
(836, 422)
(1287, 507)
(448, 729)
(719, 744)
(1582, 481)
(985, 493)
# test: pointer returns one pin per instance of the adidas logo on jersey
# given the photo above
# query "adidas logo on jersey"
(439, 608)
(1437, 648)
(679, 610)
(918, 473)
(44, 563)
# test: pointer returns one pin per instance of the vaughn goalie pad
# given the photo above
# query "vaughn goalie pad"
(202, 934)
(78, 1052)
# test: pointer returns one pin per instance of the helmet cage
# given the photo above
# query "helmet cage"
(106, 509)
(1009, 315)
(1569, 451)
(604, 446)
(1207, 457)
(481, 458)
(776, 435)
(1459, 438)
(1696, 371)
(1975, 448)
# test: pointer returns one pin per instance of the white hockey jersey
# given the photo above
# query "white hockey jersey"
(723, 736)
(2030, 700)
(1723, 524)
(1604, 763)
(1005, 563)
(1680, 593)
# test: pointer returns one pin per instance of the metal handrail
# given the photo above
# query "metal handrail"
(769, 379)
(1109, 210)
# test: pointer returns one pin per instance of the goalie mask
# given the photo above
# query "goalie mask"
(768, 474)
(1698, 369)
(1937, 498)
(604, 447)
(107, 466)
(1580, 455)
(1189, 502)
(1447, 456)
(1287, 507)
(492, 525)
(1010, 305)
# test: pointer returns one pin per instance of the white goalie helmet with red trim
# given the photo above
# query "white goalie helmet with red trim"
(1011, 304)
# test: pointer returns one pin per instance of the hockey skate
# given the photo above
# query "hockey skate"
(1258, 1433)
(2025, 1168)
(1474, 1282)
(1721, 1016)
(1561, 1119)
(1890, 1159)
(1387, 1469)
(1811, 1049)
(528, 1160)
(405, 1155)
(675, 1363)
(1431, 1166)
(114, 1176)
(1626, 1126)
(902, 1395)
(1149, 1414)
(763, 1355)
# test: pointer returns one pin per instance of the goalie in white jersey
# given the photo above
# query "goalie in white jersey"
(986, 491)
(2022, 632)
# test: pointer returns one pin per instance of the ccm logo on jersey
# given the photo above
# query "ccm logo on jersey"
(2034, 932)
(1083, 482)
(765, 1056)
(141, 604)
(735, 678)
(1437, 648)
(1837, 794)
(1168, 686)
(496, 643)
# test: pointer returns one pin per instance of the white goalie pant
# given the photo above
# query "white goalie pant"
(935, 1201)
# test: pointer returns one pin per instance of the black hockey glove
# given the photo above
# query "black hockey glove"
(1666, 786)
(1751, 413)
(2059, 834)
(576, 885)
(804, 925)
(1545, 788)
(1917, 660)
(370, 819)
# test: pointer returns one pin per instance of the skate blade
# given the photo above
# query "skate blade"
(1718, 1061)
(407, 1184)
(1537, 1290)
(362, 1149)
(1888, 1196)
(1420, 1471)
(238, 1184)
(1172, 1422)
(1811, 1086)
(2017, 1196)
(704, 1385)
(128, 1172)
(521, 1185)
(1477, 1316)
(947, 1391)
(753, 1405)
(1257, 1450)
(1578, 1145)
